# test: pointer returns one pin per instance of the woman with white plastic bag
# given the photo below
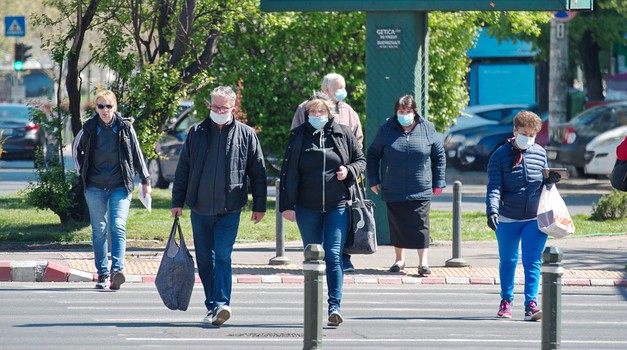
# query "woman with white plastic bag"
(553, 216)
(513, 196)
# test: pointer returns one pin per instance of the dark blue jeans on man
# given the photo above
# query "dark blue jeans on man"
(328, 229)
(214, 237)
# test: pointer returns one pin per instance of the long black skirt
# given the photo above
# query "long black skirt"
(409, 224)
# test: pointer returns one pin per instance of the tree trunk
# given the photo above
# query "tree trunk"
(589, 51)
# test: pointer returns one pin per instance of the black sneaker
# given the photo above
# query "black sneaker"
(103, 281)
(116, 280)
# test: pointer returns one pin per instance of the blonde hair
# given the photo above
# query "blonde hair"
(107, 95)
(525, 119)
(318, 102)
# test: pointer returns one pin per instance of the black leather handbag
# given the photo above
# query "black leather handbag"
(362, 231)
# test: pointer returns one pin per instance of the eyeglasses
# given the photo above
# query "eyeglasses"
(219, 109)
(104, 106)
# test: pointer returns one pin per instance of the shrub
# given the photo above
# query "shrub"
(610, 207)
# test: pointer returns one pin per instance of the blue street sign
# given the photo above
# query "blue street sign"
(14, 26)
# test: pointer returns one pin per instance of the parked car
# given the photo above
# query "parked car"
(568, 141)
(487, 114)
(601, 151)
(170, 145)
(471, 148)
(21, 135)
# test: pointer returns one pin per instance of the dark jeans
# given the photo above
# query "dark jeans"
(328, 229)
(214, 236)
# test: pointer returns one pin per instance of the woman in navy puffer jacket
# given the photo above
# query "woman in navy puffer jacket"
(514, 188)
(406, 162)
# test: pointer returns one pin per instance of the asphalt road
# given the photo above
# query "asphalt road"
(76, 316)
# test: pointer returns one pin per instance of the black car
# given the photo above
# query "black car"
(471, 148)
(480, 142)
(21, 136)
(567, 142)
(170, 145)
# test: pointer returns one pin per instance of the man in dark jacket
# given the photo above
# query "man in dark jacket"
(219, 155)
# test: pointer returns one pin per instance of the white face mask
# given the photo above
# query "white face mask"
(220, 118)
(524, 142)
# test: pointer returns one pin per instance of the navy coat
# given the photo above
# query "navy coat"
(408, 166)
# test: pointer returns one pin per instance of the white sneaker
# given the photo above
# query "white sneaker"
(221, 314)
(209, 317)
(335, 319)
(103, 282)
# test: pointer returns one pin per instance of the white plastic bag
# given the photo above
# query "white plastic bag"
(553, 217)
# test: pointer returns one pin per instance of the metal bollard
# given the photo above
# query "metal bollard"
(552, 272)
(457, 260)
(314, 269)
(280, 258)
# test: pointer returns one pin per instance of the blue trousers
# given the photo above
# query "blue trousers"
(108, 211)
(328, 229)
(214, 237)
(531, 240)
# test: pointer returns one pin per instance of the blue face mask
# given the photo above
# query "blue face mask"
(318, 122)
(405, 119)
(341, 94)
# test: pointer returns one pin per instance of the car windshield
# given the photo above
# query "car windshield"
(14, 113)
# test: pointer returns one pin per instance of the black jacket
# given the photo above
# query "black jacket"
(131, 157)
(244, 159)
(350, 153)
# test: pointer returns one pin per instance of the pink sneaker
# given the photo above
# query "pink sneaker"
(505, 310)
(532, 312)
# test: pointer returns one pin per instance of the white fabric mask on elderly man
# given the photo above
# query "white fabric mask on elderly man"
(220, 118)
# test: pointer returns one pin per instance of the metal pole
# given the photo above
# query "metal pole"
(457, 260)
(552, 272)
(313, 269)
(280, 258)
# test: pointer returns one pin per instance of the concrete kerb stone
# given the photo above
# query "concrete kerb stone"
(28, 271)
(50, 271)
(80, 276)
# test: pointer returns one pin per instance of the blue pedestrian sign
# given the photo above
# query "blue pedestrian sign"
(14, 26)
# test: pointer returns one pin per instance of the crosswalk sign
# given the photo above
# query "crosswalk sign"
(14, 26)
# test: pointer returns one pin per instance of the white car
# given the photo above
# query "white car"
(601, 151)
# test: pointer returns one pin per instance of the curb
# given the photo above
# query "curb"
(48, 271)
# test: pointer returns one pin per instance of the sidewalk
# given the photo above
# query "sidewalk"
(588, 261)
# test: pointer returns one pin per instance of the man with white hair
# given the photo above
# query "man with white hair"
(219, 157)
(334, 87)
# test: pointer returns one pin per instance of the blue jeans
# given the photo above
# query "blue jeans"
(509, 236)
(328, 229)
(108, 211)
(214, 237)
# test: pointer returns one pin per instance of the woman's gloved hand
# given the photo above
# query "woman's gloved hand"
(493, 221)
(554, 177)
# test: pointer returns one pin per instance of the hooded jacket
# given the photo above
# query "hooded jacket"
(349, 151)
(131, 157)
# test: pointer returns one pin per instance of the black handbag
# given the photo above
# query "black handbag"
(362, 230)
(175, 278)
(618, 177)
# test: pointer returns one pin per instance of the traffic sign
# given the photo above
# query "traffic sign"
(564, 16)
(14, 26)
